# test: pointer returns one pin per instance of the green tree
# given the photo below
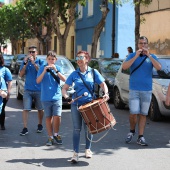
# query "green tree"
(98, 29)
(138, 4)
(2, 35)
(13, 25)
(38, 17)
(51, 14)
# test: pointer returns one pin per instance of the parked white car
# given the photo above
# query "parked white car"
(161, 80)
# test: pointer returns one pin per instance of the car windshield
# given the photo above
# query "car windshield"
(8, 57)
(65, 64)
(21, 56)
(165, 69)
(110, 67)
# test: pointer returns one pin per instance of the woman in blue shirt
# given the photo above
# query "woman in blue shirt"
(87, 75)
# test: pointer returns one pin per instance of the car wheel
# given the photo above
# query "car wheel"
(154, 112)
(19, 95)
(117, 101)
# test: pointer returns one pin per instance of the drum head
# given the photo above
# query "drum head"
(88, 104)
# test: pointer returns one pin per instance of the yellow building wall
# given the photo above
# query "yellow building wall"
(157, 26)
(69, 43)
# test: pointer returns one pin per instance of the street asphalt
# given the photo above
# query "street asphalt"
(30, 153)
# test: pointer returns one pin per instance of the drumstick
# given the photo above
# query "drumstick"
(84, 94)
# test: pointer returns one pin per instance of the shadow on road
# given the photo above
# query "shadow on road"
(50, 163)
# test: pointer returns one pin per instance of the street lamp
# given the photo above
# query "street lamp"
(103, 6)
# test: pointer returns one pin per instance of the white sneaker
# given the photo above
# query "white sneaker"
(75, 158)
(88, 153)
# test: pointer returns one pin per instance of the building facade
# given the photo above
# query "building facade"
(157, 26)
(53, 44)
(70, 43)
(121, 34)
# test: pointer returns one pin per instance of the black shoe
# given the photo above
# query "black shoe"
(2, 127)
(24, 132)
(40, 128)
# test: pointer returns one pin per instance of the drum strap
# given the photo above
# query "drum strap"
(92, 93)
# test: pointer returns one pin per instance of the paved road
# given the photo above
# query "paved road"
(30, 153)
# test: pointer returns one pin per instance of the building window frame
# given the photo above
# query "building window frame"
(90, 7)
(80, 11)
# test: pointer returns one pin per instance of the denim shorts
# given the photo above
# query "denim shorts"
(139, 101)
(52, 108)
(28, 97)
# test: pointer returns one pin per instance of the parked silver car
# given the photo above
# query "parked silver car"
(7, 60)
(16, 62)
(108, 68)
(161, 80)
(63, 62)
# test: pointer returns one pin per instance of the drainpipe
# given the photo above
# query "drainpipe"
(113, 26)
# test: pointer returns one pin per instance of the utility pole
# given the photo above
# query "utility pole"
(113, 26)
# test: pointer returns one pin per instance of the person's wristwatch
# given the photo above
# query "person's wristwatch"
(57, 71)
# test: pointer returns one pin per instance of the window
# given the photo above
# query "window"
(90, 7)
(72, 47)
(89, 49)
(80, 11)
(165, 69)
(79, 48)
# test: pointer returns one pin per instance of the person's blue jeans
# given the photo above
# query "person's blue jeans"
(77, 126)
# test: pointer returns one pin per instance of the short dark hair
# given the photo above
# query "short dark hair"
(130, 49)
(32, 46)
(143, 38)
(52, 53)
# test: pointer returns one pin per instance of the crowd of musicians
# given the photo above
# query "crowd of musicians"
(42, 83)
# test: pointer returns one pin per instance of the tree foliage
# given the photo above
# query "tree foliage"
(51, 14)
(30, 18)
(13, 25)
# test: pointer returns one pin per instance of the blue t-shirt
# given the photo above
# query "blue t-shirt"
(5, 73)
(50, 89)
(79, 86)
(2, 87)
(141, 79)
(31, 75)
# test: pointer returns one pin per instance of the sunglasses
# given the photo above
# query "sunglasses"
(79, 58)
(31, 51)
(143, 43)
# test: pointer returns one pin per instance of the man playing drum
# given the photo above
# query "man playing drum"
(83, 80)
